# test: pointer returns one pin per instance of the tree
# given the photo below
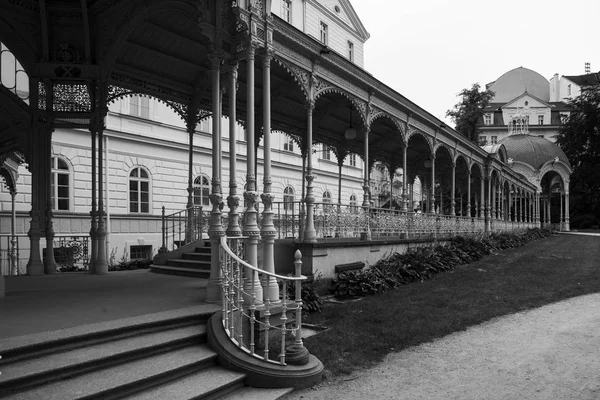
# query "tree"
(579, 138)
(469, 110)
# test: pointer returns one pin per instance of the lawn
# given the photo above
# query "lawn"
(544, 271)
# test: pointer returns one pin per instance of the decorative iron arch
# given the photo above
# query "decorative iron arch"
(332, 89)
(416, 132)
(382, 114)
(301, 77)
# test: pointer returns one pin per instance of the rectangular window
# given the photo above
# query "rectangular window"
(487, 119)
(568, 89)
(286, 10)
(140, 106)
(540, 120)
(326, 152)
(482, 140)
(140, 252)
(324, 33)
(352, 159)
(350, 51)
(564, 117)
(288, 144)
(494, 139)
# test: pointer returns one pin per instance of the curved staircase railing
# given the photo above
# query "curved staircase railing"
(254, 322)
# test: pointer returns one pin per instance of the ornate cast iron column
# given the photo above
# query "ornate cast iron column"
(453, 191)
(191, 129)
(367, 196)
(215, 229)
(93, 212)
(268, 232)
(49, 263)
(250, 228)
(432, 194)
(101, 262)
(35, 266)
(233, 200)
(481, 197)
(494, 189)
(310, 234)
(404, 205)
(469, 194)
(567, 221)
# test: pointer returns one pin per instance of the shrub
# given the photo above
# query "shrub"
(420, 263)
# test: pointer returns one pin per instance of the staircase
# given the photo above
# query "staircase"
(156, 356)
(194, 263)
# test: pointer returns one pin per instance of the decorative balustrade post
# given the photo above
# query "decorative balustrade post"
(268, 232)
(215, 230)
(297, 354)
(163, 247)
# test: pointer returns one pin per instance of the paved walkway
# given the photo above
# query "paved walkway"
(35, 304)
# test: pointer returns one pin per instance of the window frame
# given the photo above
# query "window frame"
(142, 110)
(352, 159)
(286, 11)
(288, 198)
(487, 119)
(288, 143)
(140, 180)
(323, 33)
(326, 153)
(541, 119)
(350, 51)
(200, 187)
(55, 198)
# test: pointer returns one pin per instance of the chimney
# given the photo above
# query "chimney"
(587, 68)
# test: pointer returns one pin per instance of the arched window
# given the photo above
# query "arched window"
(327, 197)
(61, 178)
(201, 191)
(139, 191)
(288, 198)
(353, 200)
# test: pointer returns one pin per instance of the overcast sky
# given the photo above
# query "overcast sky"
(430, 50)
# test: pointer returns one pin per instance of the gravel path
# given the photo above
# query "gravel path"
(552, 352)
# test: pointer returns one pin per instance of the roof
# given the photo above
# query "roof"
(532, 150)
(585, 80)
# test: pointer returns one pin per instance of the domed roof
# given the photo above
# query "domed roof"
(518, 81)
(532, 150)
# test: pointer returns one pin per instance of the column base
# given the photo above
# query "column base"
(214, 292)
(35, 268)
(296, 355)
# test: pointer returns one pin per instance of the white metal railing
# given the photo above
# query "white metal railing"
(247, 311)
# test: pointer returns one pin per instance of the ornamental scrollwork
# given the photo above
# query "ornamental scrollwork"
(233, 202)
(267, 199)
(251, 197)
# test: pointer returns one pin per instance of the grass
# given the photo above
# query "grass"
(548, 270)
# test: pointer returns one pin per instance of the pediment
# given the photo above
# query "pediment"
(526, 100)
(343, 10)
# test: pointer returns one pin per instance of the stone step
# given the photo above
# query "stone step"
(20, 348)
(197, 256)
(125, 379)
(251, 393)
(52, 367)
(178, 262)
(212, 382)
(181, 271)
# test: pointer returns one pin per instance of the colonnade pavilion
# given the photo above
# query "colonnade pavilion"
(236, 59)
